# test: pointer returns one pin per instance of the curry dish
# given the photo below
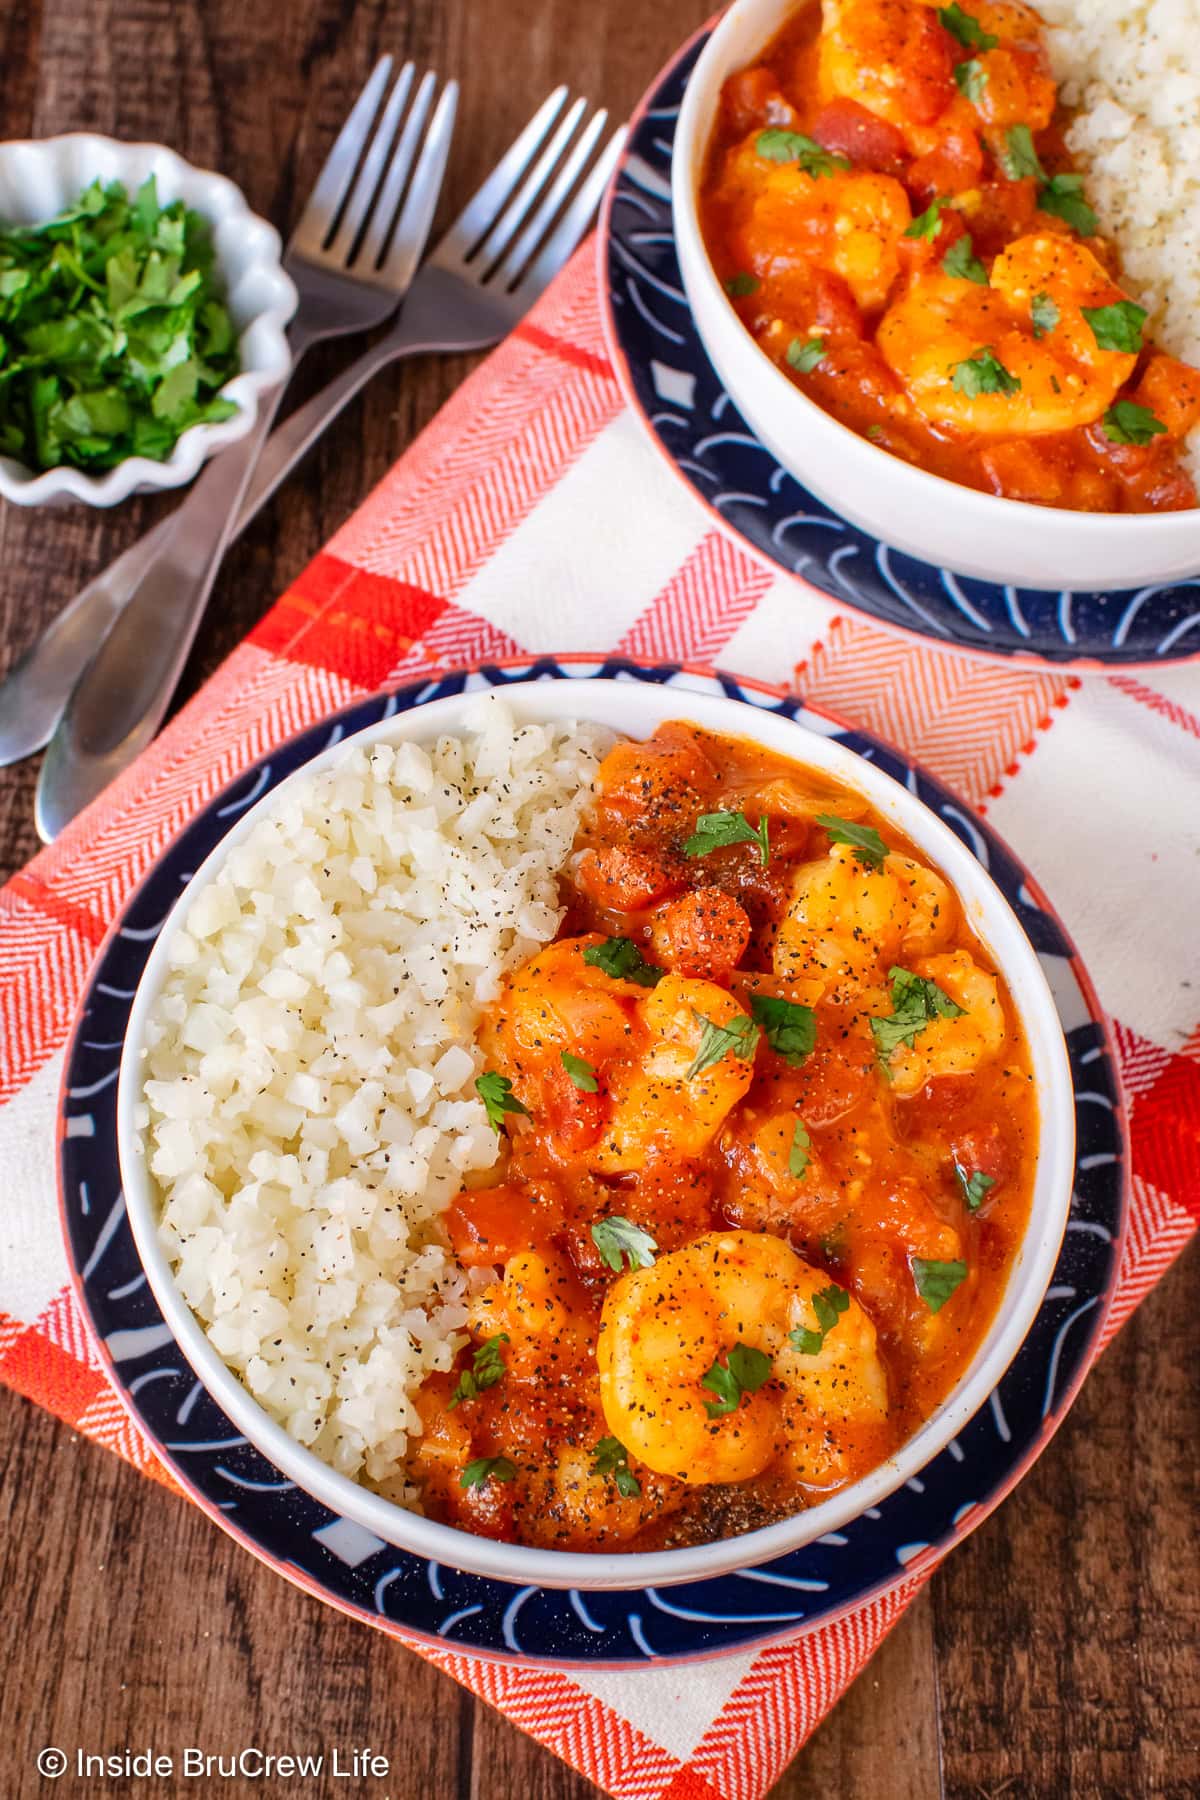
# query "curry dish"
(769, 1133)
(891, 208)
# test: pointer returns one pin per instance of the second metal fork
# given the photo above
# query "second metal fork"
(493, 263)
(351, 257)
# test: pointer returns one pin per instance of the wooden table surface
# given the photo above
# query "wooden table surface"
(1056, 1652)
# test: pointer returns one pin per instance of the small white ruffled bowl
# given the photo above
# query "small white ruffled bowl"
(40, 178)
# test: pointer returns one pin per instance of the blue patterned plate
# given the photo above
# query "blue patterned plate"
(343, 1563)
(672, 385)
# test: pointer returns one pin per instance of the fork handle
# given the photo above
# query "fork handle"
(123, 693)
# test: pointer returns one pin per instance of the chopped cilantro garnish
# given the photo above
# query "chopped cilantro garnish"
(798, 1157)
(581, 1072)
(612, 1458)
(1045, 315)
(974, 1186)
(738, 286)
(916, 1002)
(1117, 327)
(828, 1305)
(1018, 158)
(484, 1468)
(925, 225)
(790, 1029)
(1127, 423)
(715, 831)
(114, 335)
(983, 373)
(966, 28)
(743, 1372)
(716, 1041)
(971, 80)
(620, 958)
(487, 1368)
(1062, 196)
(495, 1091)
(961, 262)
(805, 353)
(780, 146)
(936, 1281)
(617, 1237)
(864, 840)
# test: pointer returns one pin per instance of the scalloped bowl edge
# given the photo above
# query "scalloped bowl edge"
(39, 177)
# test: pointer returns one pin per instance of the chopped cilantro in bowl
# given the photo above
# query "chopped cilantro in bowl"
(114, 333)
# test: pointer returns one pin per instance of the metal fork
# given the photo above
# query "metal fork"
(352, 257)
(32, 698)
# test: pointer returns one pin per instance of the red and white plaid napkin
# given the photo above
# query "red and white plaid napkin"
(534, 516)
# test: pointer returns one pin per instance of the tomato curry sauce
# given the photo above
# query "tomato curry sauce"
(891, 207)
(769, 1134)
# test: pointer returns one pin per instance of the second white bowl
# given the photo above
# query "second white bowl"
(953, 527)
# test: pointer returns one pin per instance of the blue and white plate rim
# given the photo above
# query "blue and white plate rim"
(246, 788)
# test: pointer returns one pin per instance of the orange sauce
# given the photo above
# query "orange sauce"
(899, 1173)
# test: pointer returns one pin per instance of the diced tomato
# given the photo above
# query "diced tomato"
(941, 1098)
(850, 130)
(703, 933)
(984, 1149)
(621, 879)
(488, 1225)
(569, 1118)
(1150, 477)
(1006, 209)
(1165, 486)
(1018, 470)
(752, 97)
(925, 85)
(840, 1073)
(1171, 390)
(954, 166)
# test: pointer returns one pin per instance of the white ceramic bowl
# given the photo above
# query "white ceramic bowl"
(953, 527)
(635, 710)
(41, 177)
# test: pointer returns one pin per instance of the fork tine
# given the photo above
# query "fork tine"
(543, 218)
(334, 180)
(390, 190)
(506, 227)
(366, 183)
(479, 214)
(412, 228)
(574, 222)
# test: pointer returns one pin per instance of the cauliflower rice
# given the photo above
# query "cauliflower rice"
(309, 1107)
(1130, 68)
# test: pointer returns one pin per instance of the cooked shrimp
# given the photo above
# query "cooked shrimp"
(848, 222)
(927, 903)
(537, 1304)
(958, 1045)
(970, 355)
(847, 921)
(664, 1328)
(557, 1001)
(566, 1504)
(895, 58)
(660, 1107)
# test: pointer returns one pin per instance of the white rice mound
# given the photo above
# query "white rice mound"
(309, 1103)
(1132, 69)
